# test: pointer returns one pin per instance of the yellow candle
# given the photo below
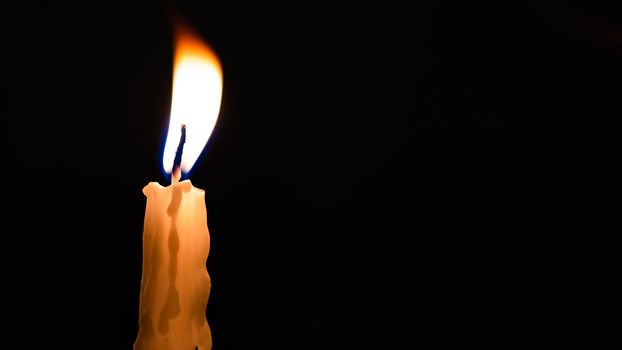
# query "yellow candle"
(175, 284)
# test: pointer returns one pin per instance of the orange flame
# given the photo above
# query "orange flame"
(197, 93)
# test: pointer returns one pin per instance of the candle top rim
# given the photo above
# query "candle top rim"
(185, 183)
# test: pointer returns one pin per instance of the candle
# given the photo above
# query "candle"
(175, 284)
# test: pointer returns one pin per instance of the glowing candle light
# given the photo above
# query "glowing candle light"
(175, 285)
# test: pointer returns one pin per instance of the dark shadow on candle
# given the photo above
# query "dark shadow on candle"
(171, 307)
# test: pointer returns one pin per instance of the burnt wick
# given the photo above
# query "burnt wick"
(176, 173)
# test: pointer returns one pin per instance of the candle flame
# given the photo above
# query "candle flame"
(197, 93)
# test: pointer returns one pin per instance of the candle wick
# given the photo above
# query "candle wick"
(176, 173)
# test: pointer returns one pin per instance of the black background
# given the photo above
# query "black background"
(381, 176)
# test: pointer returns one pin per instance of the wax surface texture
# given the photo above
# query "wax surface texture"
(175, 285)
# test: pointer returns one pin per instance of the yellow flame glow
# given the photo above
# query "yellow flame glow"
(197, 93)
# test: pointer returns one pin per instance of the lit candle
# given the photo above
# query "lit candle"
(175, 285)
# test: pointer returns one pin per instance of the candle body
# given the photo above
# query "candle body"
(175, 285)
